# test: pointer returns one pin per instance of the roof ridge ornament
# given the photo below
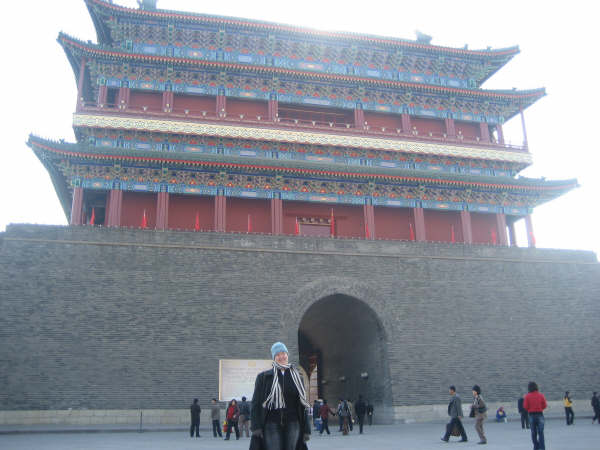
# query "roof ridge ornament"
(423, 38)
(147, 5)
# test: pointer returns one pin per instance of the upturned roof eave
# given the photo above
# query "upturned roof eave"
(74, 150)
(58, 181)
(527, 97)
(102, 30)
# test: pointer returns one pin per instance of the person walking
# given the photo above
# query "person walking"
(215, 415)
(324, 412)
(195, 418)
(232, 415)
(315, 413)
(524, 414)
(569, 414)
(535, 404)
(244, 417)
(279, 413)
(344, 413)
(596, 407)
(361, 409)
(370, 412)
(480, 412)
(351, 416)
(339, 414)
(455, 413)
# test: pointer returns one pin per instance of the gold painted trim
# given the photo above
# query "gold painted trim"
(303, 137)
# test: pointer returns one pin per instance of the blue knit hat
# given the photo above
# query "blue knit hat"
(278, 347)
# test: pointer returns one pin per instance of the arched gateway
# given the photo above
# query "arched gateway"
(341, 336)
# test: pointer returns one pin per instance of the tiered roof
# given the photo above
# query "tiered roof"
(479, 64)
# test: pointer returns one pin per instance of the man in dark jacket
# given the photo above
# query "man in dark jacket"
(596, 407)
(524, 414)
(455, 413)
(195, 416)
(244, 417)
(315, 412)
(361, 410)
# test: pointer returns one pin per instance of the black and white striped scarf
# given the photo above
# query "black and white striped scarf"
(275, 399)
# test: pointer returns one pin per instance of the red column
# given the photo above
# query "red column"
(220, 212)
(501, 226)
(359, 118)
(221, 106)
(162, 211)
(123, 98)
(530, 235)
(273, 109)
(525, 144)
(369, 220)
(77, 206)
(484, 131)
(512, 234)
(276, 216)
(114, 208)
(450, 128)
(467, 230)
(500, 134)
(167, 101)
(102, 95)
(405, 118)
(419, 224)
(79, 104)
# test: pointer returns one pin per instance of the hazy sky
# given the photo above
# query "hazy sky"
(558, 45)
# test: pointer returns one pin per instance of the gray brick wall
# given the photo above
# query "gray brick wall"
(126, 319)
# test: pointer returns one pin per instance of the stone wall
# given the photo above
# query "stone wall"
(116, 319)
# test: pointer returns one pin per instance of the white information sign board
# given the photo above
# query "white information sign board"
(237, 377)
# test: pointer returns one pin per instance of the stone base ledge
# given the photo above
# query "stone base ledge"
(102, 417)
(181, 417)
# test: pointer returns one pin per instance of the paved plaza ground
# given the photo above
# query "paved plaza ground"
(582, 436)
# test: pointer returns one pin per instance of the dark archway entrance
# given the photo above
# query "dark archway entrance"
(345, 339)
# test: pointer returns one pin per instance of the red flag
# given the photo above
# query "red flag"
(367, 234)
(144, 220)
(249, 223)
(452, 239)
(93, 218)
(332, 230)
(494, 240)
(197, 224)
(412, 232)
(297, 227)
(532, 238)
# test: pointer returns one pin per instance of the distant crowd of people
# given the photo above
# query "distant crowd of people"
(278, 418)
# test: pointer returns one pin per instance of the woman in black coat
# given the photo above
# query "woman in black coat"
(279, 406)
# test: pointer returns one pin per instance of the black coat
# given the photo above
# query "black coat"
(258, 414)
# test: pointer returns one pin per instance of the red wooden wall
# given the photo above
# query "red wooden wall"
(393, 223)
(139, 99)
(470, 130)
(482, 225)
(195, 104)
(438, 225)
(238, 210)
(183, 210)
(376, 121)
(425, 126)
(132, 209)
(249, 108)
